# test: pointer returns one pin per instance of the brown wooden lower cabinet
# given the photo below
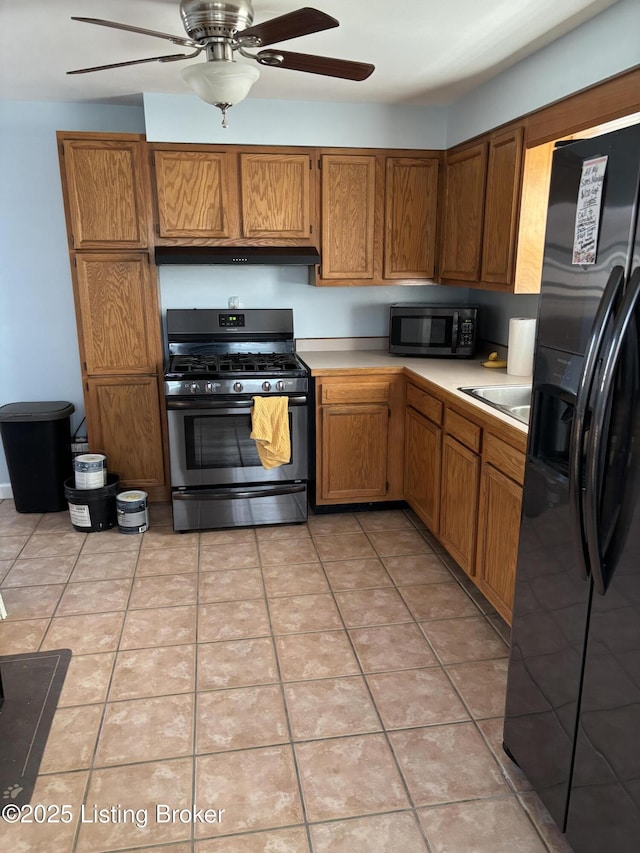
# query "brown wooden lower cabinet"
(498, 533)
(459, 502)
(465, 482)
(356, 440)
(359, 452)
(124, 422)
(423, 453)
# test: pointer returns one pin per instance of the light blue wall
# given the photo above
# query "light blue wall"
(185, 118)
(602, 47)
(38, 340)
(318, 312)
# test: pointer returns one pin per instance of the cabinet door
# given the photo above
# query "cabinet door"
(348, 217)
(117, 314)
(411, 196)
(275, 190)
(459, 502)
(124, 421)
(501, 206)
(423, 451)
(464, 207)
(196, 194)
(498, 534)
(107, 193)
(354, 451)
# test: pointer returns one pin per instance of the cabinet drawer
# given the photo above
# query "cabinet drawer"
(504, 457)
(424, 403)
(351, 392)
(464, 430)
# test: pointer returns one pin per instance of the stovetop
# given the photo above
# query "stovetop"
(234, 365)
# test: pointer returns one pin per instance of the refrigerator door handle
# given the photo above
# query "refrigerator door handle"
(579, 429)
(598, 439)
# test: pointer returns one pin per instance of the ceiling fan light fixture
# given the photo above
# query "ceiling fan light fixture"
(221, 83)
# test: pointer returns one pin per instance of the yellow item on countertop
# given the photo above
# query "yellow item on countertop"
(494, 361)
(270, 430)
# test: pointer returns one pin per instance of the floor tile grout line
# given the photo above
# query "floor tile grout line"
(443, 667)
(301, 794)
(194, 733)
(383, 732)
(474, 720)
(105, 704)
(386, 736)
(532, 821)
(50, 620)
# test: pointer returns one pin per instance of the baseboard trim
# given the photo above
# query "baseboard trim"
(6, 492)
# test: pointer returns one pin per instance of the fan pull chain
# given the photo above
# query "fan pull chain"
(224, 109)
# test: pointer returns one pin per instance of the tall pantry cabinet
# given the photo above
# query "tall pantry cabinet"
(105, 183)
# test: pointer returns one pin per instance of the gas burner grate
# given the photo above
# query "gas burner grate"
(233, 363)
(257, 362)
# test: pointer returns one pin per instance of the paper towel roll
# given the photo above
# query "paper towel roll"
(522, 337)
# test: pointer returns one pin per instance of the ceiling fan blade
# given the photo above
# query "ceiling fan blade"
(170, 58)
(303, 22)
(176, 39)
(316, 64)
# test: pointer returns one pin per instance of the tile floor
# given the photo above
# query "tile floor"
(335, 686)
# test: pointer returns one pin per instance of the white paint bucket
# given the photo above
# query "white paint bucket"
(133, 515)
(90, 471)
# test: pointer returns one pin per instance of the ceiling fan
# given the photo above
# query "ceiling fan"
(220, 29)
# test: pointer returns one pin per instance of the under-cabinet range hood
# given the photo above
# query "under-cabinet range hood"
(238, 255)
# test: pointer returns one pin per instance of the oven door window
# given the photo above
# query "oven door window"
(221, 441)
(434, 331)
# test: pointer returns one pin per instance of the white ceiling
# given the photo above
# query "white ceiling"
(425, 51)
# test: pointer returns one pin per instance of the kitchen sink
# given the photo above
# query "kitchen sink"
(514, 400)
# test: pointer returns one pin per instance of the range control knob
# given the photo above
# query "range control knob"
(237, 387)
(208, 387)
(195, 388)
(266, 386)
(279, 385)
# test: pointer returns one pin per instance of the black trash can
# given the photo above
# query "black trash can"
(37, 445)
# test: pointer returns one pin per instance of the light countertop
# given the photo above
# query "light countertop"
(449, 374)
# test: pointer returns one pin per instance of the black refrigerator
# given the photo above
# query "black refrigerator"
(572, 718)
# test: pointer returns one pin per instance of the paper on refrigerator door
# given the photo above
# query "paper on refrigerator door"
(585, 240)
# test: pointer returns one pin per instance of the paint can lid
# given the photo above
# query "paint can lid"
(132, 496)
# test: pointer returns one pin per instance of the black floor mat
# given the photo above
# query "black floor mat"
(32, 685)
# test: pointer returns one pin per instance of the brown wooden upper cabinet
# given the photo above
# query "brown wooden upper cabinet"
(195, 194)
(378, 217)
(275, 191)
(348, 218)
(504, 169)
(411, 198)
(465, 180)
(233, 196)
(483, 186)
(106, 187)
(117, 313)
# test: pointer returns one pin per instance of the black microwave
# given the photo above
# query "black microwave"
(432, 330)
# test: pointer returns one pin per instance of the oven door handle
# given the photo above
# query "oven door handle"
(239, 494)
(177, 403)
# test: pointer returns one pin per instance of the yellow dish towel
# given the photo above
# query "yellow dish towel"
(270, 430)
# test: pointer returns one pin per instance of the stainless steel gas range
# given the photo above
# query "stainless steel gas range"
(218, 361)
